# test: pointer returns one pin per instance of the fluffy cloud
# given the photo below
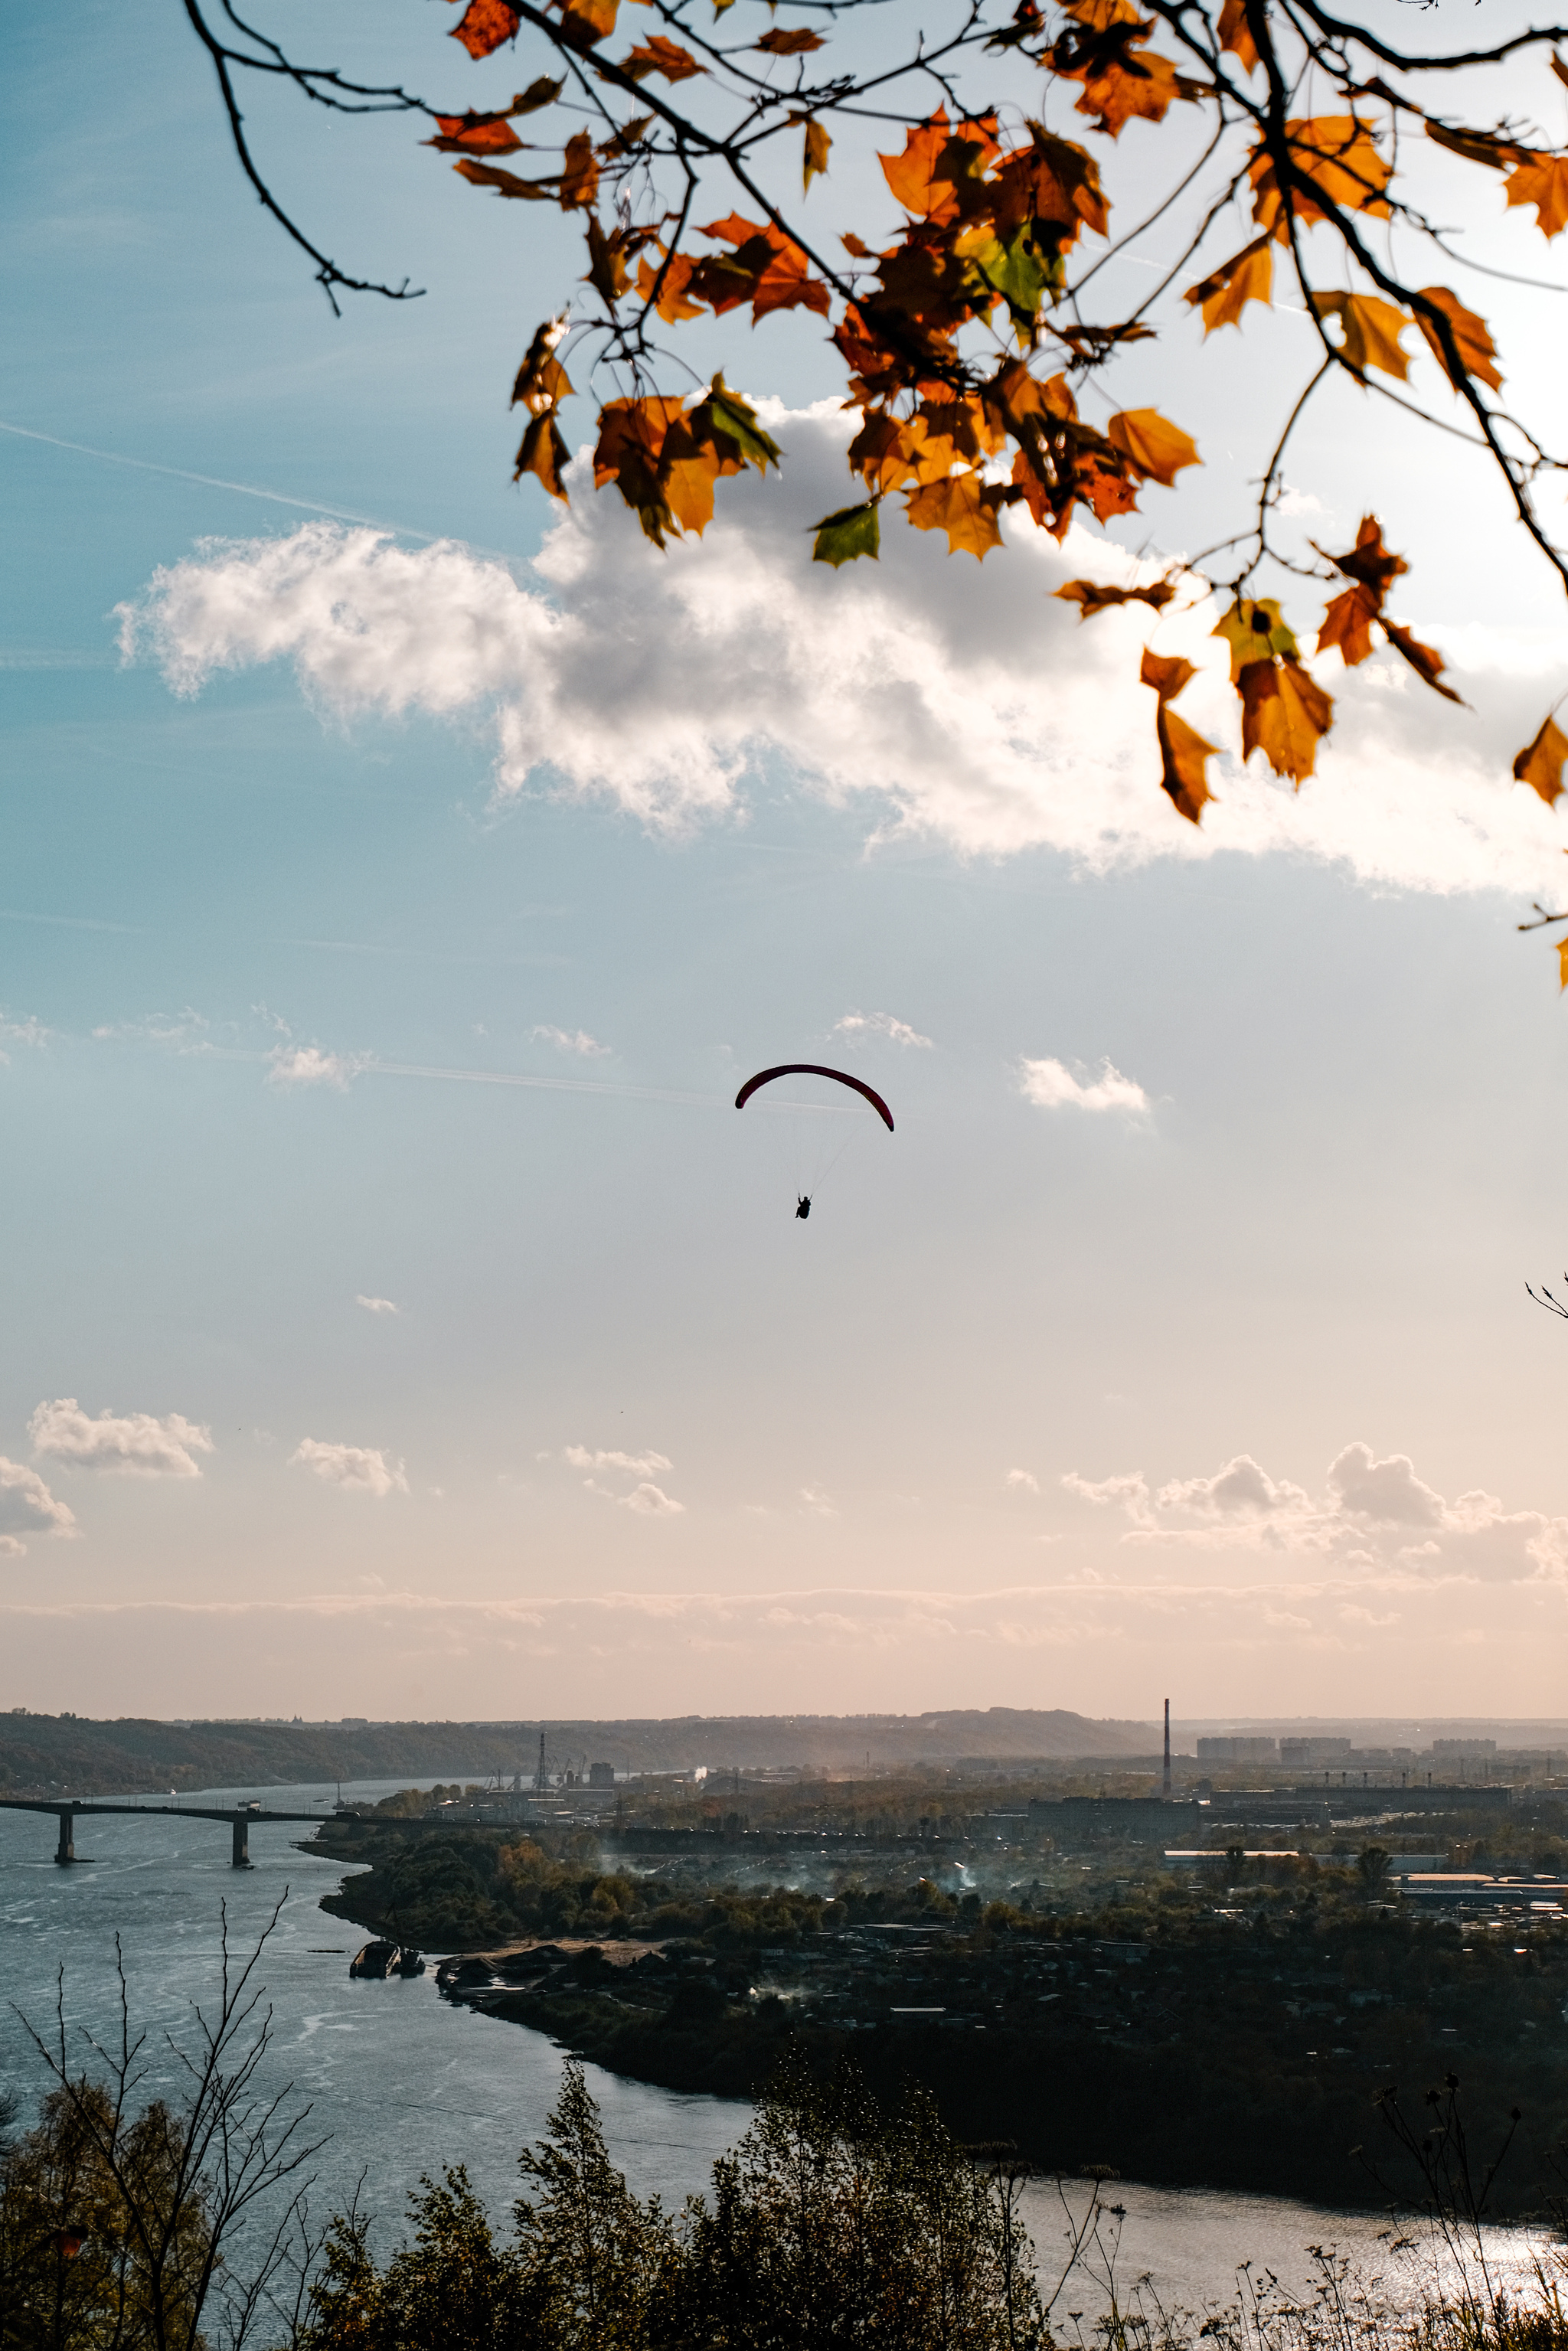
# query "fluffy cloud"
(1051, 1085)
(651, 1502)
(636, 1465)
(879, 1024)
(571, 1040)
(1022, 1481)
(954, 701)
(307, 1065)
(377, 1305)
(361, 1468)
(133, 1443)
(28, 1508)
(1373, 1515)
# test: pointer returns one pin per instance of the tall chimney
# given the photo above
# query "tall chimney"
(1167, 1786)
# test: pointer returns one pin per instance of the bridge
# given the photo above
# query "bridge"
(240, 1817)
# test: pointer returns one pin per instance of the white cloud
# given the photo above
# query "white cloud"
(186, 1032)
(636, 1465)
(361, 1468)
(879, 1024)
(1373, 1516)
(1051, 1085)
(20, 1032)
(952, 700)
(133, 1443)
(1023, 1481)
(307, 1065)
(571, 1040)
(651, 1502)
(28, 1508)
(377, 1305)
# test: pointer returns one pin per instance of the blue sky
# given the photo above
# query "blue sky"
(332, 977)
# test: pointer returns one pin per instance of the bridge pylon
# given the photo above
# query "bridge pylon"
(242, 1842)
(66, 1850)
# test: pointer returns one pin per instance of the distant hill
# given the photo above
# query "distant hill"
(47, 1754)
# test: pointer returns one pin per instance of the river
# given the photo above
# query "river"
(405, 2084)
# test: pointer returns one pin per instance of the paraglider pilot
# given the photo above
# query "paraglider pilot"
(802, 1204)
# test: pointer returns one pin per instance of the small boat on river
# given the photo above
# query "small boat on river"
(375, 1962)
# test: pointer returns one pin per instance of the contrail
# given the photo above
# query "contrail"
(249, 490)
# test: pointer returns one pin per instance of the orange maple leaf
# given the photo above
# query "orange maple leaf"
(1336, 156)
(1246, 277)
(815, 160)
(543, 454)
(1157, 449)
(584, 22)
(543, 381)
(766, 268)
(789, 41)
(963, 505)
(1478, 352)
(1540, 765)
(1347, 624)
(1235, 34)
(938, 158)
(580, 173)
(1091, 597)
(485, 24)
(505, 183)
(1185, 753)
(673, 303)
(474, 134)
(657, 55)
(1541, 181)
(1122, 81)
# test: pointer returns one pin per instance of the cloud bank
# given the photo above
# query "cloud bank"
(952, 701)
(133, 1443)
(1372, 1516)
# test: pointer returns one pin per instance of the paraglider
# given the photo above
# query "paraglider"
(814, 1069)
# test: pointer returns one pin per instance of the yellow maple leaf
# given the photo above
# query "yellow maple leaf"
(1285, 714)
(1153, 445)
(1246, 277)
(1369, 330)
(1255, 631)
(816, 156)
(963, 505)
(1478, 352)
(1540, 764)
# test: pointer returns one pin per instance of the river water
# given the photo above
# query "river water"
(405, 2084)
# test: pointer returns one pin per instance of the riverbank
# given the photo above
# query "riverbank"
(401, 2082)
(1237, 2044)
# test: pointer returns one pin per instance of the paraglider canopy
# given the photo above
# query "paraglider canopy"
(815, 1070)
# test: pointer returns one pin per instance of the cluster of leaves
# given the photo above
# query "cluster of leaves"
(967, 347)
(829, 2224)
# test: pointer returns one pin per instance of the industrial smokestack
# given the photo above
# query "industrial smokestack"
(1167, 1786)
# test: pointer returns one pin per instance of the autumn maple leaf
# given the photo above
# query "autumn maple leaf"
(1540, 765)
(1185, 753)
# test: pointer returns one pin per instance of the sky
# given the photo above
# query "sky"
(400, 877)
